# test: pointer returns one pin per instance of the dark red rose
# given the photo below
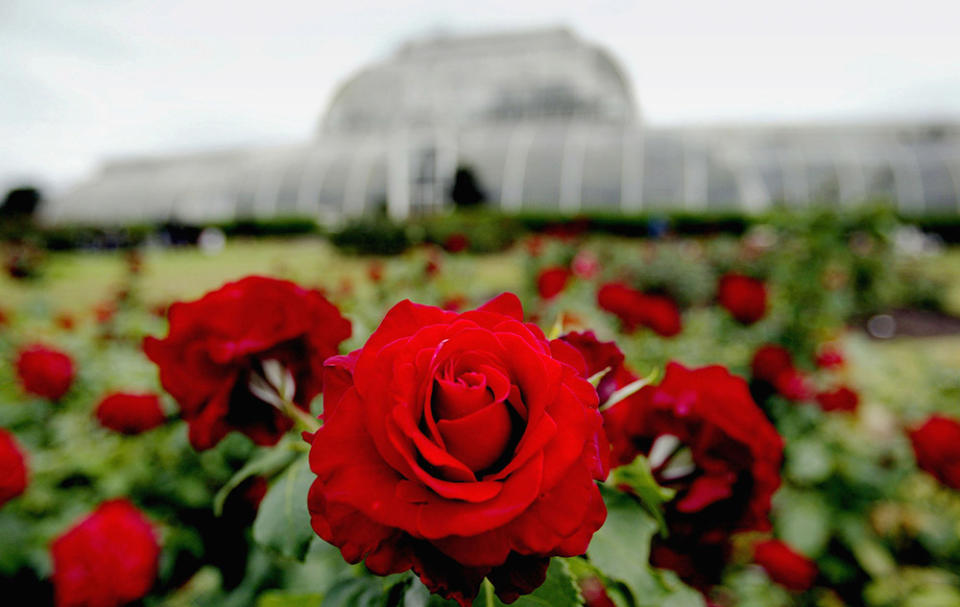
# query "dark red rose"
(13, 468)
(456, 243)
(744, 297)
(936, 445)
(704, 437)
(600, 355)
(634, 308)
(551, 281)
(130, 413)
(769, 361)
(829, 357)
(45, 371)
(461, 446)
(246, 331)
(786, 567)
(840, 399)
(623, 302)
(108, 559)
(793, 385)
(661, 315)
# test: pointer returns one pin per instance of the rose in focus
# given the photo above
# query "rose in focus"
(461, 446)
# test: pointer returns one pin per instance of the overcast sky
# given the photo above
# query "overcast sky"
(86, 80)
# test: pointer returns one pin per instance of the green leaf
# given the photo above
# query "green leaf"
(265, 463)
(283, 522)
(637, 476)
(621, 548)
(558, 590)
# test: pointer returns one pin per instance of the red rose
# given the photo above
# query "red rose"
(786, 567)
(456, 243)
(661, 315)
(769, 361)
(634, 308)
(600, 355)
(936, 445)
(240, 336)
(623, 302)
(551, 281)
(13, 468)
(44, 371)
(829, 356)
(704, 437)
(462, 446)
(130, 413)
(793, 385)
(108, 559)
(744, 297)
(585, 264)
(841, 399)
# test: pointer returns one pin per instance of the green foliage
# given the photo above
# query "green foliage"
(283, 523)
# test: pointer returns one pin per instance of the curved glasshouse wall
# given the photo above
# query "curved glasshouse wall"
(544, 121)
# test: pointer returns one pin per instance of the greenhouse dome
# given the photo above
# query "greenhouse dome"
(542, 120)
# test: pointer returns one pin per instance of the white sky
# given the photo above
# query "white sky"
(81, 81)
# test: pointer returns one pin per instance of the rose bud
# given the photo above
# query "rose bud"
(461, 446)
(13, 468)
(108, 559)
(769, 361)
(936, 445)
(840, 399)
(744, 297)
(129, 413)
(705, 438)
(45, 371)
(234, 357)
(551, 281)
(785, 566)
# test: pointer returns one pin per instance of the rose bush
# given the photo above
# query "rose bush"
(220, 343)
(108, 559)
(461, 446)
(45, 371)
